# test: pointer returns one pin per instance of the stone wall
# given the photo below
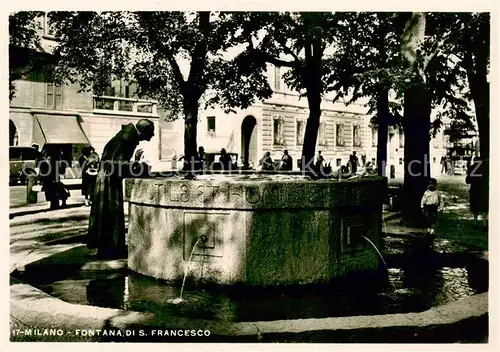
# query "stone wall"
(258, 232)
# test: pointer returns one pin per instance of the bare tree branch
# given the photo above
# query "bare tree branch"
(278, 62)
(289, 51)
(175, 68)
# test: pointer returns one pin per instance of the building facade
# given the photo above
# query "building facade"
(45, 113)
(279, 123)
(62, 117)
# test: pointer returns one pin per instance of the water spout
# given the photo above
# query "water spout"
(380, 254)
(126, 294)
(179, 300)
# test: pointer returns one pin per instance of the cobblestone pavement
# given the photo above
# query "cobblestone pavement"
(36, 231)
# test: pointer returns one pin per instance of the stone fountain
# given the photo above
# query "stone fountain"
(256, 229)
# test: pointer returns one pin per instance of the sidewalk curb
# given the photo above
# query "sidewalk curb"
(40, 310)
(391, 216)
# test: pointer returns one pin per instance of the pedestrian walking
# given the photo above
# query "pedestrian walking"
(106, 232)
(444, 165)
(431, 203)
(51, 169)
(89, 162)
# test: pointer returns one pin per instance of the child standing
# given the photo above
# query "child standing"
(431, 203)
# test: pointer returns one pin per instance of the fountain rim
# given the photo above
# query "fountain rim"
(85, 316)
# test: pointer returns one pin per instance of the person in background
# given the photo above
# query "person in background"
(225, 160)
(478, 192)
(319, 161)
(369, 169)
(363, 159)
(431, 203)
(266, 162)
(106, 231)
(90, 168)
(345, 172)
(286, 162)
(62, 193)
(38, 154)
(353, 162)
(201, 158)
(50, 177)
(444, 165)
(82, 161)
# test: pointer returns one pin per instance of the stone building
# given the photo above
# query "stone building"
(279, 123)
(61, 117)
(45, 113)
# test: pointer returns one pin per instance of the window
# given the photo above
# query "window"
(322, 134)
(373, 161)
(278, 130)
(277, 78)
(54, 96)
(374, 137)
(339, 134)
(299, 131)
(339, 162)
(356, 135)
(211, 123)
(401, 138)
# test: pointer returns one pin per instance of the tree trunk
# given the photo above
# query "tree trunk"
(482, 104)
(480, 89)
(195, 86)
(312, 79)
(417, 110)
(383, 121)
(190, 107)
(311, 132)
(416, 123)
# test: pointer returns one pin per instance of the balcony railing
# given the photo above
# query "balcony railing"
(118, 105)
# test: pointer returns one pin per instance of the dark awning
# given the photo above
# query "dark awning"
(57, 129)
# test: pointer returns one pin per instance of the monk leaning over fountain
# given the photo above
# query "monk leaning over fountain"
(106, 232)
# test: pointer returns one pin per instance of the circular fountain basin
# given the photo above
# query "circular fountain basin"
(417, 281)
(257, 229)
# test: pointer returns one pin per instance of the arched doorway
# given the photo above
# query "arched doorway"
(13, 134)
(248, 140)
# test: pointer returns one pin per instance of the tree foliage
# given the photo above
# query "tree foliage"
(466, 43)
(23, 34)
(302, 42)
(178, 58)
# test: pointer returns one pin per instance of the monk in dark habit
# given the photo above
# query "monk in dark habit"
(107, 219)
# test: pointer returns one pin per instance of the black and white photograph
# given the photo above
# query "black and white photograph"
(249, 176)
